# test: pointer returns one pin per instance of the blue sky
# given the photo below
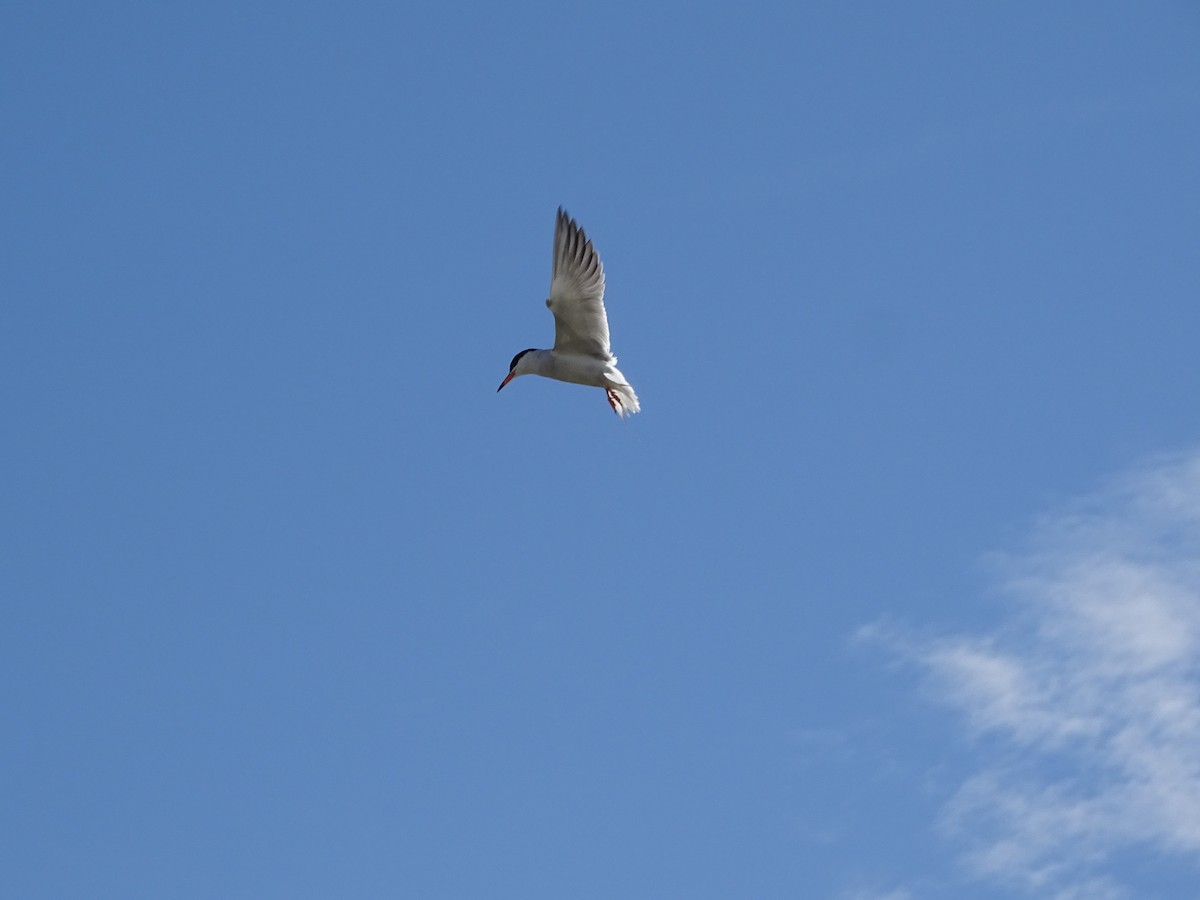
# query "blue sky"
(890, 592)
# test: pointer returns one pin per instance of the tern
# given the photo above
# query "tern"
(581, 353)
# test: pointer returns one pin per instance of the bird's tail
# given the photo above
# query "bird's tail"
(622, 399)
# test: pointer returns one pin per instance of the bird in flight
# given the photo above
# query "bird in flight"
(581, 354)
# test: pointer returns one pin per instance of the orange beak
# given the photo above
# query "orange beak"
(505, 381)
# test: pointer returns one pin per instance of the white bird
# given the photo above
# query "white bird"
(581, 353)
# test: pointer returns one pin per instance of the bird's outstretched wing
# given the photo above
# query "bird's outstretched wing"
(577, 293)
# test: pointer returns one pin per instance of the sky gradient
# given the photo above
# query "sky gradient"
(889, 593)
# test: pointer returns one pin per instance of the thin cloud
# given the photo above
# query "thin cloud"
(1085, 707)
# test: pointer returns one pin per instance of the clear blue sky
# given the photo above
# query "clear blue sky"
(888, 594)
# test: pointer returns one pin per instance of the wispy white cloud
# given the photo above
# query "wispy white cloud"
(1085, 706)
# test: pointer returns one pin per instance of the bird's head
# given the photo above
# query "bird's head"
(518, 366)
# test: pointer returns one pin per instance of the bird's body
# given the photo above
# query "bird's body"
(581, 353)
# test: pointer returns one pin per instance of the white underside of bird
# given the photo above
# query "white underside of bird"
(581, 353)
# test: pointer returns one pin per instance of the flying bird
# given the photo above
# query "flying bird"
(581, 353)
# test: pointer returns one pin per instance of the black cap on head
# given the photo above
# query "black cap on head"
(512, 365)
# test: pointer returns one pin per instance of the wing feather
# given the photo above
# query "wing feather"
(577, 293)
